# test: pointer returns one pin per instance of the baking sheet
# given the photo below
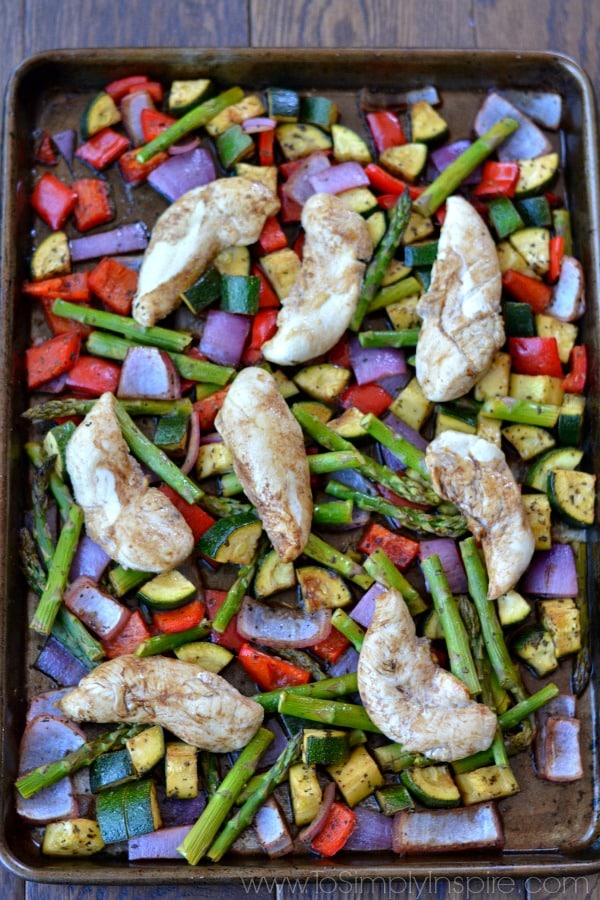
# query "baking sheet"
(549, 828)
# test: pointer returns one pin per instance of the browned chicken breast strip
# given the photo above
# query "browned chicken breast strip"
(197, 706)
(192, 231)
(412, 699)
(321, 303)
(473, 474)
(269, 458)
(462, 326)
(136, 525)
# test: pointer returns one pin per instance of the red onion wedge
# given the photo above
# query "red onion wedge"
(182, 172)
(272, 829)
(185, 145)
(282, 627)
(44, 704)
(307, 834)
(148, 373)
(175, 811)
(551, 573)
(124, 239)
(193, 444)
(372, 363)
(526, 142)
(98, 611)
(224, 337)
(276, 746)
(347, 662)
(364, 609)
(341, 177)
(58, 663)
(65, 141)
(299, 186)
(373, 831)
(161, 844)
(568, 295)
(90, 559)
(544, 107)
(258, 123)
(450, 559)
(559, 757)
(131, 107)
(443, 156)
(475, 827)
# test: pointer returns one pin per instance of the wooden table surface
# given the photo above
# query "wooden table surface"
(30, 26)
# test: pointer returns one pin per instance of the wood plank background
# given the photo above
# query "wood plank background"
(565, 26)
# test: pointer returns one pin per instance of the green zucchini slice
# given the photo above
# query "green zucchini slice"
(573, 494)
(232, 539)
(167, 591)
(432, 786)
(101, 112)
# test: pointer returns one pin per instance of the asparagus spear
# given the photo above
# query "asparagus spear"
(318, 464)
(329, 712)
(44, 776)
(71, 406)
(394, 758)
(349, 628)
(100, 343)
(71, 632)
(394, 292)
(406, 337)
(161, 643)
(30, 562)
(209, 771)
(124, 580)
(523, 412)
(582, 662)
(406, 452)
(58, 488)
(468, 614)
(322, 552)
(245, 814)
(58, 572)
(324, 690)
(155, 335)
(337, 512)
(383, 570)
(195, 118)
(41, 530)
(399, 216)
(457, 641)
(198, 840)
(447, 182)
(236, 592)
(520, 711)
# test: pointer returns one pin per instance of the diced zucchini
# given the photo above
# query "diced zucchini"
(513, 608)
(573, 495)
(100, 112)
(325, 746)
(518, 319)
(570, 419)
(432, 628)
(316, 408)
(232, 539)
(128, 811)
(322, 588)
(211, 657)
(204, 292)
(298, 139)
(560, 617)
(406, 161)
(561, 222)
(536, 648)
(534, 246)
(557, 458)
(487, 783)
(235, 114)
(213, 459)
(316, 110)
(51, 257)
(535, 211)
(358, 777)
(360, 200)
(181, 771)
(185, 94)
(72, 837)
(490, 430)
(528, 440)
(146, 748)
(273, 575)
(433, 786)
(393, 798)
(110, 770)
(233, 145)
(233, 261)
(305, 792)
(283, 104)
(536, 174)
(394, 273)
(266, 175)
(281, 268)
(564, 332)
(453, 417)
(537, 507)
(171, 433)
(167, 590)
(403, 313)
(377, 225)
(285, 385)
(419, 227)
(55, 444)
(509, 258)
(504, 216)
(412, 406)
(322, 381)
(537, 388)
(348, 146)
(421, 254)
(348, 424)
(426, 124)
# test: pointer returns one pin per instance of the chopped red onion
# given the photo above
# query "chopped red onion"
(175, 811)
(559, 757)
(133, 261)
(124, 239)
(373, 831)
(564, 705)
(54, 386)
(65, 141)
(443, 156)
(282, 627)
(400, 427)
(345, 664)
(59, 663)
(364, 609)
(299, 186)
(193, 444)
(185, 145)
(341, 177)
(551, 573)
(524, 143)
(161, 844)
(44, 704)
(272, 723)
(450, 560)
(131, 107)
(307, 834)
(183, 172)
(393, 384)
(224, 337)
(258, 123)
(544, 107)
(474, 827)
(371, 363)
(90, 559)
(272, 829)
(49, 805)
(148, 373)
(568, 294)
(98, 610)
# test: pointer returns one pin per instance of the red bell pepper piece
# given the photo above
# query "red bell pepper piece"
(270, 672)
(290, 210)
(134, 172)
(53, 201)
(574, 382)
(102, 149)
(527, 289)
(93, 206)
(198, 520)
(498, 179)
(383, 181)
(266, 147)
(557, 252)
(339, 355)
(208, 407)
(267, 298)
(114, 284)
(73, 287)
(230, 638)
(45, 153)
(535, 356)
(60, 324)
(117, 89)
(264, 326)
(339, 824)
(93, 376)
(401, 550)
(369, 398)
(154, 88)
(331, 648)
(288, 168)
(170, 621)
(272, 236)
(51, 358)
(129, 638)
(154, 122)
(386, 129)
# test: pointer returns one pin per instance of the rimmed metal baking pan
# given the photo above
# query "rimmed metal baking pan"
(550, 829)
